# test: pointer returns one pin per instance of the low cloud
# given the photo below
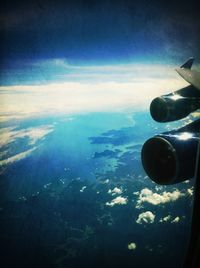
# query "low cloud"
(30, 135)
(16, 157)
(190, 191)
(175, 220)
(9, 135)
(165, 219)
(127, 87)
(132, 246)
(83, 189)
(115, 191)
(169, 219)
(117, 201)
(146, 217)
(148, 196)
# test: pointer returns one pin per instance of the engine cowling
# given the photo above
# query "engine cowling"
(176, 105)
(170, 157)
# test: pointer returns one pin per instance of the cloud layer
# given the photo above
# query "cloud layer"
(9, 135)
(124, 88)
(30, 136)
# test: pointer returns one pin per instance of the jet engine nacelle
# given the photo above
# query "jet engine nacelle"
(170, 157)
(176, 105)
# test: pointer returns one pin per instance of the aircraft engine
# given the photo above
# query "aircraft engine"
(176, 105)
(170, 157)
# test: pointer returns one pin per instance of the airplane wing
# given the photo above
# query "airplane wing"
(192, 258)
(191, 76)
(159, 154)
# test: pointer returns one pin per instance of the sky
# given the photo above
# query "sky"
(108, 50)
(94, 31)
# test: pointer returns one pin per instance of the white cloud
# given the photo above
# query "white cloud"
(132, 246)
(83, 189)
(190, 191)
(16, 157)
(145, 217)
(119, 200)
(158, 188)
(35, 134)
(148, 196)
(127, 87)
(115, 191)
(175, 220)
(168, 218)
(8, 135)
(106, 181)
(165, 219)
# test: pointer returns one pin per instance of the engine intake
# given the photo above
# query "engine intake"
(170, 157)
(176, 105)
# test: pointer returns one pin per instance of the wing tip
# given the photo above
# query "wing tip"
(188, 64)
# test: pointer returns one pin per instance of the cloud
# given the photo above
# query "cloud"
(6, 135)
(117, 201)
(126, 87)
(115, 191)
(83, 189)
(132, 246)
(168, 218)
(146, 217)
(9, 135)
(36, 134)
(190, 191)
(16, 157)
(175, 220)
(165, 219)
(147, 196)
